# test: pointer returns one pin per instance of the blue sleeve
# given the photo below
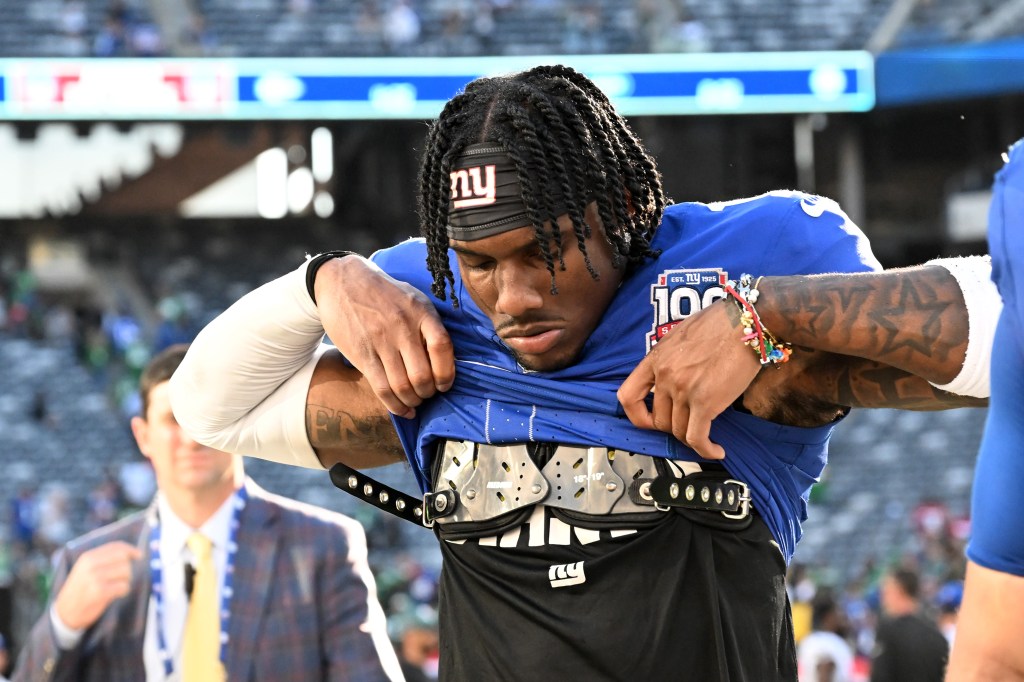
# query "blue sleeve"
(815, 236)
(1006, 234)
(997, 518)
(407, 262)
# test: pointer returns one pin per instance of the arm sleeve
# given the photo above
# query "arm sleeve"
(243, 383)
(66, 637)
(974, 275)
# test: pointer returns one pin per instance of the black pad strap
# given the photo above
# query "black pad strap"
(709, 492)
(378, 494)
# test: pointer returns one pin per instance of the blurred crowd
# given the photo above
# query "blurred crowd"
(850, 610)
(126, 28)
(40, 516)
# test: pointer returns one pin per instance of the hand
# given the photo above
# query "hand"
(695, 372)
(388, 330)
(100, 576)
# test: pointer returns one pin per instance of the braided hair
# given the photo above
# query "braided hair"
(561, 131)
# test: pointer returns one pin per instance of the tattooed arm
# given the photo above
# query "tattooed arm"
(893, 331)
(345, 421)
(912, 319)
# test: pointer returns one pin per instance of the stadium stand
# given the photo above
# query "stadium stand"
(78, 28)
(70, 376)
(377, 28)
(884, 464)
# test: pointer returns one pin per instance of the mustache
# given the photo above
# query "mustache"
(524, 321)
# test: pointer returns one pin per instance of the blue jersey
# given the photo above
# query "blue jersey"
(495, 401)
(997, 527)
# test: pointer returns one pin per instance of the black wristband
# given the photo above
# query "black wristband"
(314, 264)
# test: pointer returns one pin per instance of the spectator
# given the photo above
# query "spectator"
(4, 659)
(584, 30)
(401, 27)
(145, 40)
(72, 24)
(418, 651)
(824, 655)
(948, 600)
(25, 515)
(198, 38)
(908, 645)
(241, 584)
(112, 39)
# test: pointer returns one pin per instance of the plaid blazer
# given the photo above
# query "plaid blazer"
(304, 604)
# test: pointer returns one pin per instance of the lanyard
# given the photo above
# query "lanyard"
(156, 574)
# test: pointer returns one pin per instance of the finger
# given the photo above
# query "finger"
(661, 411)
(377, 378)
(394, 361)
(680, 419)
(440, 352)
(698, 437)
(120, 586)
(419, 371)
(633, 392)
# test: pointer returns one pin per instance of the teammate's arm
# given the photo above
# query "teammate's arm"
(987, 643)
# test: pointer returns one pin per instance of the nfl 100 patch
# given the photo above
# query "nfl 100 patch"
(681, 293)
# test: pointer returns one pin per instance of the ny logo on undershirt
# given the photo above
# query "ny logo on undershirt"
(563, 575)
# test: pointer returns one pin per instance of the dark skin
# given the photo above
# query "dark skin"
(916, 325)
(899, 330)
(814, 388)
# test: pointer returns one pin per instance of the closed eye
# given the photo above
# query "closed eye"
(477, 265)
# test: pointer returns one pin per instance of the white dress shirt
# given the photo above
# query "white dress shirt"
(174, 553)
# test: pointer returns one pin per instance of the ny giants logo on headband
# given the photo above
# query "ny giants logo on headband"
(473, 186)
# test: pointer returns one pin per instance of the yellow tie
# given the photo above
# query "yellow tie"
(201, 643)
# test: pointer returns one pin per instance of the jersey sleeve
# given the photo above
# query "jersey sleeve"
(812, 235)
(407, 262)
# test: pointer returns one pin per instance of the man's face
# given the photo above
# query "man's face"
(180, 463)
(508, 279)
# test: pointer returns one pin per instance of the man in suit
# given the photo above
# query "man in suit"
(286, 586)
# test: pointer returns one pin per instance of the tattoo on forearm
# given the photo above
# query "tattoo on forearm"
(914, 320)
(336, 429)
(815, 388)
(884, 386)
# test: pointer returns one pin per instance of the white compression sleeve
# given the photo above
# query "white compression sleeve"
(974, 275)
(243, 383)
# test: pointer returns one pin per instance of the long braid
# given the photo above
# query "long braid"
(645, 188)
(535, 158)
(561, 131)
(570, 189)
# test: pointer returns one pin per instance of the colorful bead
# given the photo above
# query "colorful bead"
(769, 349)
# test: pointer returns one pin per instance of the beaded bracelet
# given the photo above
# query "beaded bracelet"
(768, 349)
